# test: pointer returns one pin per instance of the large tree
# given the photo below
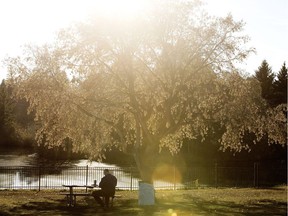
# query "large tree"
(143, 84)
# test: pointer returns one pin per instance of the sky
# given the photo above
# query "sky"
(37, 22)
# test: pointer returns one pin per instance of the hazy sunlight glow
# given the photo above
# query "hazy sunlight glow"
(123, 9)
(37, 22)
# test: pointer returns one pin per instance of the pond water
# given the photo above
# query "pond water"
(20, 169)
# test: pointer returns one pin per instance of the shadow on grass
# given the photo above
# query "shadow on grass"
(199, 206)
(189, 206)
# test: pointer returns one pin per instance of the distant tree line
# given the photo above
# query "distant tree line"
(16, 125)
(17, 129)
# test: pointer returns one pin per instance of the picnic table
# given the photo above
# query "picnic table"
(71, 195)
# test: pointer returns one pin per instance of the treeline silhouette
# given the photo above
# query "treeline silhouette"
(17, 129)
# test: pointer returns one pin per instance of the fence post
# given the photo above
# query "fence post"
(39, 178)
(86, 177)
(174, 177)
(131, 180)
(216, 174)
(256, 174)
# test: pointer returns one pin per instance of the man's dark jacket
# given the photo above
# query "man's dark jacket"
(108, 184)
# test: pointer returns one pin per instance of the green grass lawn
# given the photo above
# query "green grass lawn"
(209, 201)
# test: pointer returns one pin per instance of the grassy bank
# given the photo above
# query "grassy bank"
(228, 201)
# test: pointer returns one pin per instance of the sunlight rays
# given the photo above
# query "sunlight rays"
(125, 9)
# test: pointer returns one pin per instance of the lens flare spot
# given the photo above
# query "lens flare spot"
(170, 211)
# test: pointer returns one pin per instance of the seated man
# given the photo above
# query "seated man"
(107, 185)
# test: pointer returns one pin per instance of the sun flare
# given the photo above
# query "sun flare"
(122, 8)
(38, 21)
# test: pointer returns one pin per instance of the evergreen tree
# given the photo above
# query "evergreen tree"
(280, 86)
(266, 77)
(274, 91)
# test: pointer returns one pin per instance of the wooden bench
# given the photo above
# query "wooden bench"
(71, 198)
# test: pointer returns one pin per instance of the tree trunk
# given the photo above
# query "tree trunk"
(146, 158)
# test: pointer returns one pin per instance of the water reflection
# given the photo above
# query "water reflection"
(17, 179)
(27, 171)
(31, 172)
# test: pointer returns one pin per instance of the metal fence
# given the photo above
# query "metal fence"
(27, 177)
